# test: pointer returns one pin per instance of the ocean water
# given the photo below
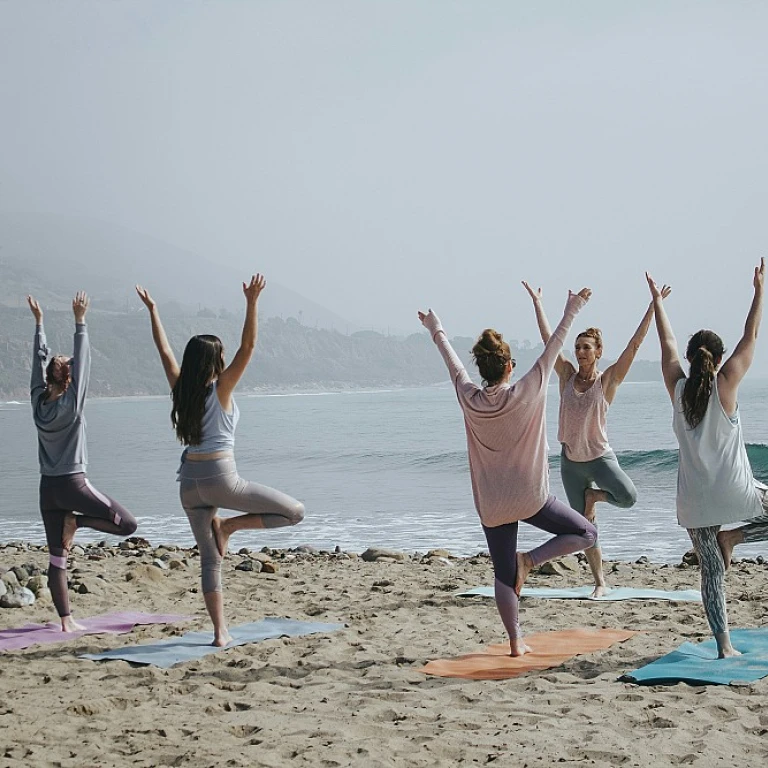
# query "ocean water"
(385, 468)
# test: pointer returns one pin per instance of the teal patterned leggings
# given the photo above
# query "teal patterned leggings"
(713, 568)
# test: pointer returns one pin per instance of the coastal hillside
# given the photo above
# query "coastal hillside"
(289, 355)
(302, 345)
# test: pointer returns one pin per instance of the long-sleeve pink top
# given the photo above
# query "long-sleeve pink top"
(506, 429)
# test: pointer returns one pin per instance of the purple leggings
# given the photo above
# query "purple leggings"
(573, 533)
(61, 495)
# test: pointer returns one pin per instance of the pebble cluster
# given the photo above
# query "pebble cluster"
(22, 585)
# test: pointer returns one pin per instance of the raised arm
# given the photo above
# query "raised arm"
(456, 369)
(617, 372)
(564, 368)
(737, 365)
(167, 358)
(543, 366)
(80, 370)
(229, 377)
(39, 350)
(671, 369)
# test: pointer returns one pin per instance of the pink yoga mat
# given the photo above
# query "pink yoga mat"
(111, 623)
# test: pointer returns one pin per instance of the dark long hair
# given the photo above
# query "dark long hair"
(491, 354)
(203, 361)
(705, 350)
(54, 374)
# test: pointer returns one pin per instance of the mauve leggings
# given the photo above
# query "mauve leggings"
(573, 533)
(61, 495)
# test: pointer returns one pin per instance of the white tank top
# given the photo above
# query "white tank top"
(714, 478)
(583, 418)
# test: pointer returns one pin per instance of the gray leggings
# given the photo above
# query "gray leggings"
(712, 568)
(603, 473)
(207, 486)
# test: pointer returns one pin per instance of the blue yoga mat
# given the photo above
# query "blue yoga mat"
(583, 593)
(195, 645)
(698, 662)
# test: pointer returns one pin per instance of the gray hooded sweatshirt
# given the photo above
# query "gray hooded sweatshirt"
(61, 446)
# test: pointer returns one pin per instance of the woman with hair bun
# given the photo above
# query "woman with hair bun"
(507, 447)
(68, 501)
(204, 416)
(715, 485)
(589, 468)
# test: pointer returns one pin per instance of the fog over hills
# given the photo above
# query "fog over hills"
(301, 345)
(53, 256)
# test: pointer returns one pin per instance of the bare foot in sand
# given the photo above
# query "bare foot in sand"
(68, 534)
(222, 639)
(68, 624)
(600, 590)
(524, 566)
(517, 647)
(591, 497)
(221, 534)
(727, 540)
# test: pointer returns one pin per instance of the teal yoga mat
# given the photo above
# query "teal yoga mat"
(698, 662)
(583, 593)
(195, 645)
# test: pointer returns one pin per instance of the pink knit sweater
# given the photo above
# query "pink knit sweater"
(506, 429)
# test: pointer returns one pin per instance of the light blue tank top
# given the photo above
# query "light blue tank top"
(218, 426)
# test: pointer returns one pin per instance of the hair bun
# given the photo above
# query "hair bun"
(492, 354)
(490, 342)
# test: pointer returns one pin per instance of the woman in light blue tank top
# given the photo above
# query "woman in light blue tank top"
(204, 416)
(715, 483)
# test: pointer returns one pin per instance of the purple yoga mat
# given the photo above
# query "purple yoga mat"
(110, 623)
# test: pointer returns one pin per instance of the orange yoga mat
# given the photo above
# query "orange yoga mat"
(548, 649)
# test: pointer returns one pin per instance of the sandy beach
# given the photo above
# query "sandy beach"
(355, 697)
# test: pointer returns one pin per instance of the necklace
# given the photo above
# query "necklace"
(586, 379)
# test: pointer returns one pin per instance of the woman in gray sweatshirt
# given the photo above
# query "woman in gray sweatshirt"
(67, 500)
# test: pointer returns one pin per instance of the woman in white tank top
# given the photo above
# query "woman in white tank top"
(715, 485)
(589, 468)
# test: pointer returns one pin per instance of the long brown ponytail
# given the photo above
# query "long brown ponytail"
(705, 350)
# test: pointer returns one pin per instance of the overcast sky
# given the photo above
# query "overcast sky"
(380, 157)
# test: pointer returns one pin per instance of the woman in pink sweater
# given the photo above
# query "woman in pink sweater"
(508, 462)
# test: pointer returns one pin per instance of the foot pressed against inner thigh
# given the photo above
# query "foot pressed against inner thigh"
(68, 531)
(524, 566)
(591, 497)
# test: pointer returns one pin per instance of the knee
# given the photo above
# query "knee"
(129, 526)
(589, 535)
(296, 512)
(627, 497)
(57, 561)
(210, 572)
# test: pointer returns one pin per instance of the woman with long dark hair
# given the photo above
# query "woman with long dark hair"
(589, 469)
(68, 501)
(204, 415)
(508, 463)
(715, 485)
